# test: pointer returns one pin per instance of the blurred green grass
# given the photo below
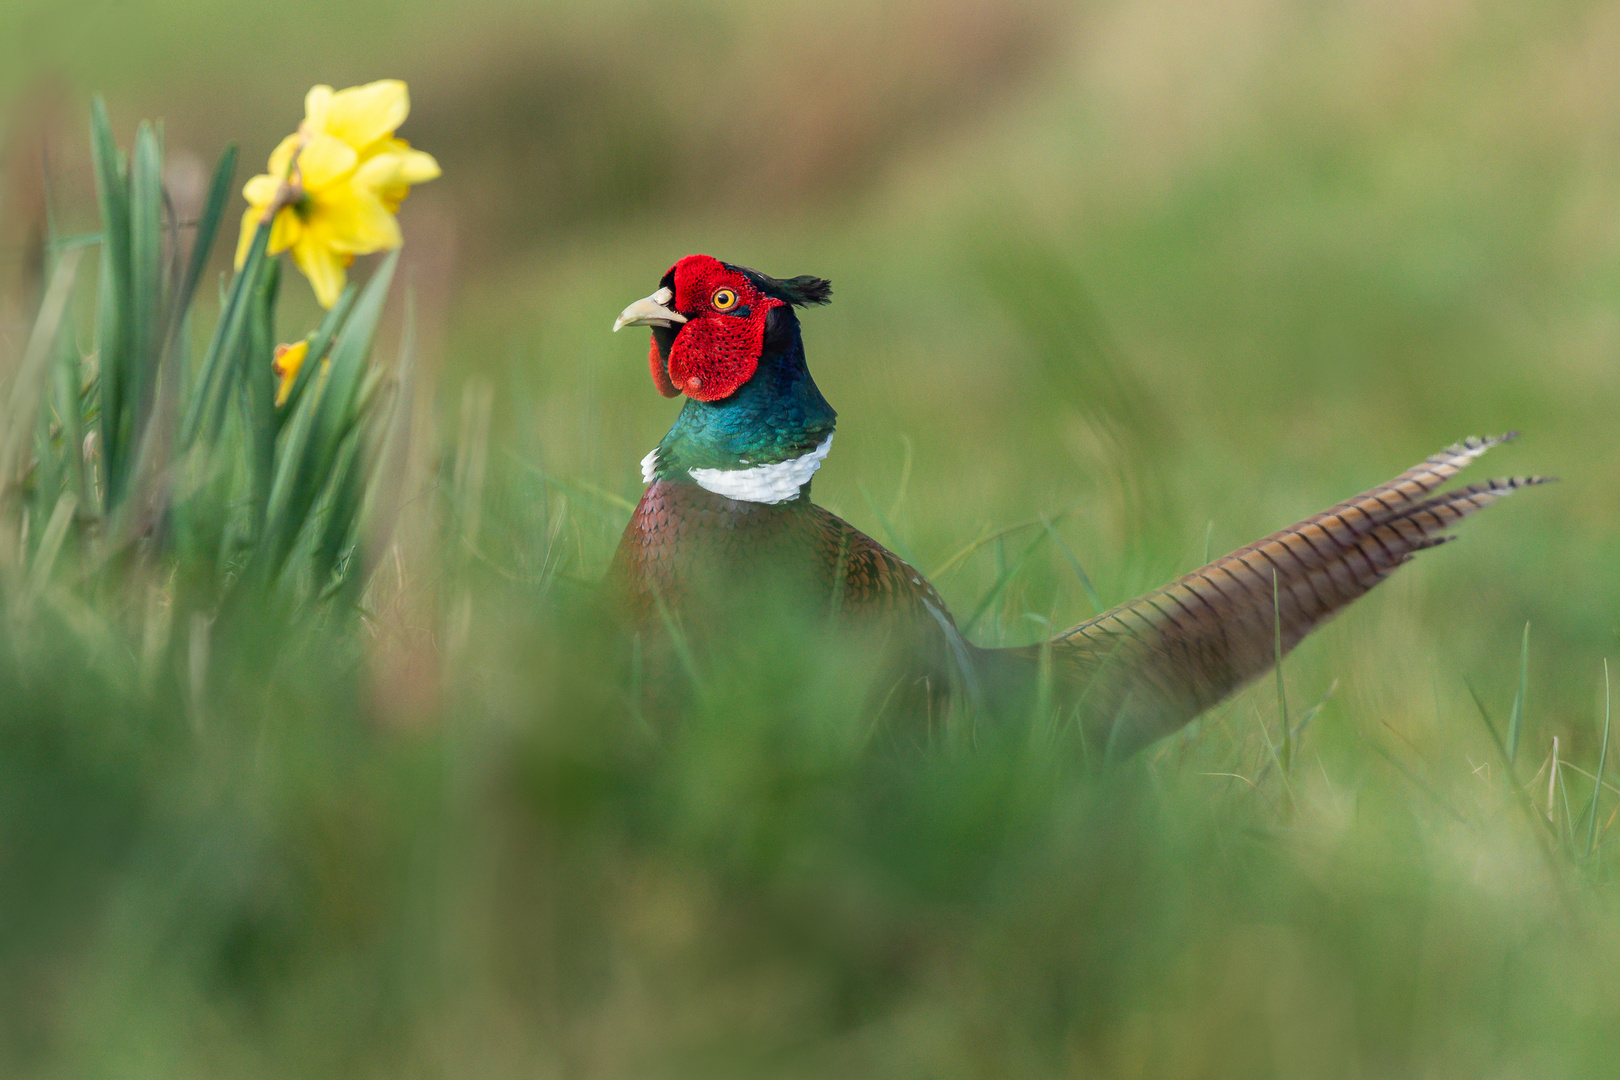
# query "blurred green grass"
(1178, 270)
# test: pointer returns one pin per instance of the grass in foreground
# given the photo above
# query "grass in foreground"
(250, 852)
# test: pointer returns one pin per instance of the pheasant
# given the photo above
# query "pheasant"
(727, 514)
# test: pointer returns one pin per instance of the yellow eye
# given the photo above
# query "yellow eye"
(723, 300)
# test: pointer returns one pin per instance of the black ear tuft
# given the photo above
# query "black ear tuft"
(800, 291)
(804, 290)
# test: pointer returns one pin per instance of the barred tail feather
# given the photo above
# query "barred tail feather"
(1147, 667)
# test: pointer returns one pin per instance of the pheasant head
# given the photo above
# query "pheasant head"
(754, 426)
(710, 321)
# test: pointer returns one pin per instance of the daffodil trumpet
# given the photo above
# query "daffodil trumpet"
(286, 364)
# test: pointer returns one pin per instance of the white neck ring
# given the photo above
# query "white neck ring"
(771, 484)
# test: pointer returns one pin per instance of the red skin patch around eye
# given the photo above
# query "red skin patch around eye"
(715, 352)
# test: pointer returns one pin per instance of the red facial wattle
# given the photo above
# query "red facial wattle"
(660, 370)
(718, 348)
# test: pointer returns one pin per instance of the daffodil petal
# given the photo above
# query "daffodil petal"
(361, 115)
(250, 225)
(419, 168)
(316, 102)
(284, 231)
(377, 171)
(356, 221)
(324, 267)
(325, 159)
(261, 190)
(393, 169)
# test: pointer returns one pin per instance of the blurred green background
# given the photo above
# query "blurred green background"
(1174, 273)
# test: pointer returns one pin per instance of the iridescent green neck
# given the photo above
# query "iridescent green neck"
(776, 416)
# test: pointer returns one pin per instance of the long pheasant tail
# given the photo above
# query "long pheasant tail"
(1148, 666)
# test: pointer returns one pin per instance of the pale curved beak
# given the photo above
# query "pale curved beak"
(651, 311)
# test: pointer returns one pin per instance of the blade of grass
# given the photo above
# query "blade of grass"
(1521, 791)
(385, 485)
(1003, 579)
(352, 347)
(1041, 719)
(1516, 717)
(1415, 780)
(219, 191)
(1526, 802)
(988, 538)
(573, 487)
(258, 393)
(1569, 820)
(305, 461)
(176, 347)
(45, 462)
(1079, 571)
(1552, 780)
(206, 411)
(905, 479)
(342, 506)
(146, 290)
(1303, 723)
(50, 546)
(1282, 690)
(683, 649)
(1603, 757)
(1114, 728)
(319, 342)
(1578, 771)
(70, 413)
(78, 240)
(113, 315)
(65, 373)
(1274, 758)
(290, 466)
(467, 484)
(29, 383)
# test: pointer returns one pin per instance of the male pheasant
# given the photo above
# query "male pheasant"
(727, 516)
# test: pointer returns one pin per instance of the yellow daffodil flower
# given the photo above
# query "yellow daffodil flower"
(334, 185)
(288, 361)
